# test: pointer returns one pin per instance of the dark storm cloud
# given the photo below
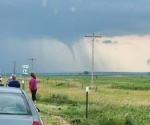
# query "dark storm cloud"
(30, 19)
(25, 24)
(107, 41)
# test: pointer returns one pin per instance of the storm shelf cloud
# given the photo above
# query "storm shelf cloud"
(53, 33)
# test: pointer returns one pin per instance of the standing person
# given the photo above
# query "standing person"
(1, 84)
(9, 79)
(14, 82)
(33, 87)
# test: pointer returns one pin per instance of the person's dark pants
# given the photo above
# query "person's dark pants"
(33, 94)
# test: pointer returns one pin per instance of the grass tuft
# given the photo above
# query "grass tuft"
(57, 98)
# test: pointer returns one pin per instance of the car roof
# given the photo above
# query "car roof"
(10, 90)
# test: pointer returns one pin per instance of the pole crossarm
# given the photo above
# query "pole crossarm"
(32, 59)
(94, 37)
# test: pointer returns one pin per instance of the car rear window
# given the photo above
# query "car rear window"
(14, 104)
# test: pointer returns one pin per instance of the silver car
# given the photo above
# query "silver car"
(16, 108)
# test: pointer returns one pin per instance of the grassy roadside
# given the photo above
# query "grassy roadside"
(118, 100)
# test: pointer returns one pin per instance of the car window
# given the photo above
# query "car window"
(14, 104)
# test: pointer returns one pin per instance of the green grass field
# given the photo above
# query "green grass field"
(113, 100)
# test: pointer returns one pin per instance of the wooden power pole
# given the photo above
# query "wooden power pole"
(93, 37)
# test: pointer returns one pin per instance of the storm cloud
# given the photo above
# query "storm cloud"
(53, 32)
(69, 20)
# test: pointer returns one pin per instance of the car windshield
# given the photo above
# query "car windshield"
(14, 104)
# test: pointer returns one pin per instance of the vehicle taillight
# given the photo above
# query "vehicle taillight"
(36, 123)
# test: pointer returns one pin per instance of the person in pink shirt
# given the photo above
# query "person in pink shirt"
(33, 87)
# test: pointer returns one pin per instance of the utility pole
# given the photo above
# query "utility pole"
(32, 62)
(5, 72)
(14, 67)
(93, 37)
(148, 61)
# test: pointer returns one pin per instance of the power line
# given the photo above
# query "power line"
(93, 37)
(81, 46)
(64, 48)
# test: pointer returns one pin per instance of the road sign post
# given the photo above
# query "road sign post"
(25, 72)
(87, 90)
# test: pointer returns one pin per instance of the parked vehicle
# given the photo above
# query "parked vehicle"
(16, 108)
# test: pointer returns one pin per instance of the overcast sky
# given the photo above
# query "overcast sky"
(53, 32)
